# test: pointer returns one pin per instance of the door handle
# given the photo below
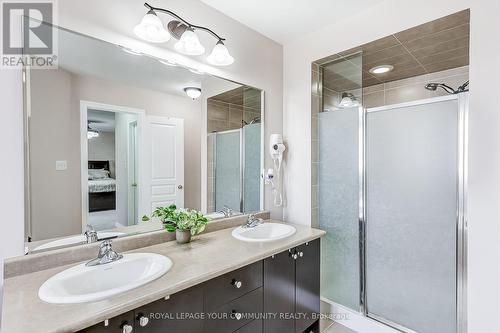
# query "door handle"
(179, 187)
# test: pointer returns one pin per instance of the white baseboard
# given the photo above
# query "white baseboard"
(353, 320)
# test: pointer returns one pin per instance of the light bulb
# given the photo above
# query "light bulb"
(151, 29)
(220, 55)
(189, 44)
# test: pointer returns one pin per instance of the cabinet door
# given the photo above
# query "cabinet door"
(279, 292)
(115, 324)
(180, 313)
(307, 280)
(234, 315)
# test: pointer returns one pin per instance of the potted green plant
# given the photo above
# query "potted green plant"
(184, 222)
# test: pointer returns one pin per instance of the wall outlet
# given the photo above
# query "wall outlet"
(61, 165)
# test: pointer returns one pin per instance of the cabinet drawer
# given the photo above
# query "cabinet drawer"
(232, 285)
(225, 318)
(182, 312)
(254, 326)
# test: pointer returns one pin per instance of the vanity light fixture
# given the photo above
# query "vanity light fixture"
(151, 29)
(193, 92)
(381, 69)
(220, 55)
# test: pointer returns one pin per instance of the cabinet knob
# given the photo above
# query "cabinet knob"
(237, 283)
(143, 321)
(301, 254)
(127, 328)
(180, 187)
(236, 315)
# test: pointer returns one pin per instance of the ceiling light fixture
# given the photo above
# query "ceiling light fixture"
(152, 29)
(91, 133)
(381, 69)
(193, 92)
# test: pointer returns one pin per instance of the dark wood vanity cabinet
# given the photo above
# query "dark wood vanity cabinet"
(285, 285)
(115, 324)
(291, 289)
(181, 312)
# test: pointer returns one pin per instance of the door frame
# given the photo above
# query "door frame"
(84, 107)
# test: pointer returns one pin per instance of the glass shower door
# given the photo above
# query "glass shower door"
(251, 167)
(411, 215)
(338, 205)
(228, 170)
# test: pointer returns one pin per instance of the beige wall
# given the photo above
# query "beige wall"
(56, 96)
(54, 135)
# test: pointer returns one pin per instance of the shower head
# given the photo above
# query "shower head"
(433, 87)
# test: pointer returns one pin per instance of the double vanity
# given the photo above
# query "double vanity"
(236, 279)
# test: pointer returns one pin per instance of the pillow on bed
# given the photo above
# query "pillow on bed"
(98, 174)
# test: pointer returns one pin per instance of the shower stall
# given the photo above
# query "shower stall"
(236, 170)
(391, 196)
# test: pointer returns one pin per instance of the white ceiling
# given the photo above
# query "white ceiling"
(283, 20)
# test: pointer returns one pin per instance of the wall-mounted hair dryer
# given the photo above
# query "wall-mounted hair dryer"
(273, 176)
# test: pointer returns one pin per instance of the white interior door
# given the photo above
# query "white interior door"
(163, 148)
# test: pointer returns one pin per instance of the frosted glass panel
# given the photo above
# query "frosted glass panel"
(338, 205)
(227, 172)
(251, 176)
(412, 215)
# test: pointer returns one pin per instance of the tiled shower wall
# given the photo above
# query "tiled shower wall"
(412, 89)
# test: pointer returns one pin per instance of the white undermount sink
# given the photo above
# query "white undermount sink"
(81, 284)
(265, 232)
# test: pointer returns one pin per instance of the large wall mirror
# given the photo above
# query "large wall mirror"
(112, 134)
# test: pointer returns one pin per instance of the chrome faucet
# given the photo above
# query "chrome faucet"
(106, 255)
(90, 234)
(228, 212)
(252, 221)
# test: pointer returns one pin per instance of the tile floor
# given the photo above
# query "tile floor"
(328, 326)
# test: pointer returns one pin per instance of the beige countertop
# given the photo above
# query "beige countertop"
(207, 256)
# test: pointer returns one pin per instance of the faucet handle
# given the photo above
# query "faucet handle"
(105, 247)
(90, 234)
